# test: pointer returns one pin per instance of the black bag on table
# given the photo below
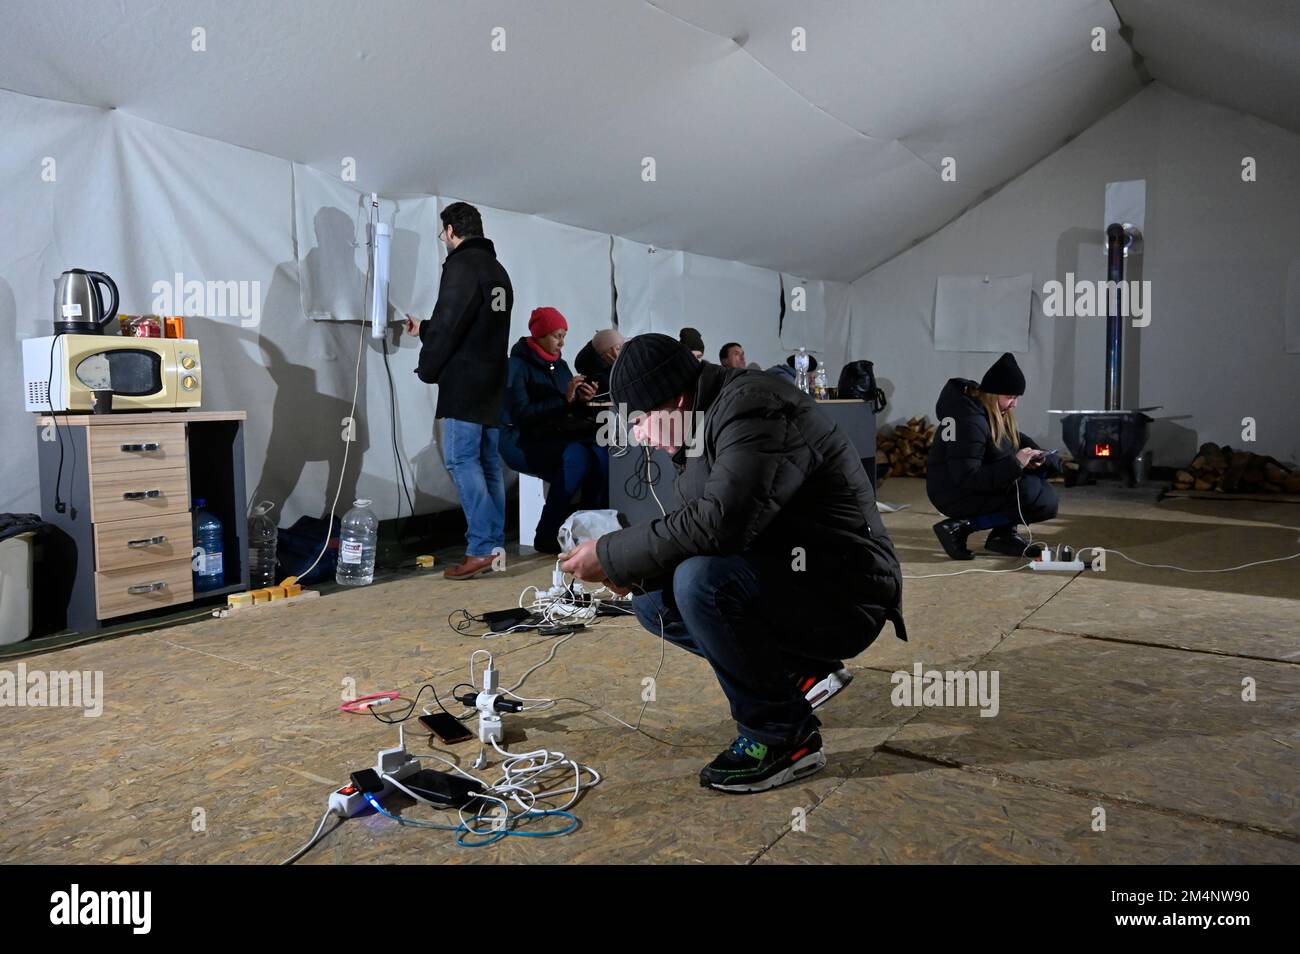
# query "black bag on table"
(858, 380)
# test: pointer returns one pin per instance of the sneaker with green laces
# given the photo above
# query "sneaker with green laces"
(750, 766)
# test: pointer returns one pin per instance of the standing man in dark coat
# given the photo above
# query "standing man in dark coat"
(775, 568)
(463, 351)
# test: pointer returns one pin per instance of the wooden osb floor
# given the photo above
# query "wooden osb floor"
(1120, 691)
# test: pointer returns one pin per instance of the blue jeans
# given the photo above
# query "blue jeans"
(760, 634)
(470, 452)
(583, 467)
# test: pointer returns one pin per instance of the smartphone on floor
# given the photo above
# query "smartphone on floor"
(448, 729)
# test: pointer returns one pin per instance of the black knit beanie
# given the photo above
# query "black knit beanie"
(651, 370)
(1005, 377)
(691, 338)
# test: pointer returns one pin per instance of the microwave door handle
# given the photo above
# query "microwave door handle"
(142, 448)
(141, 494)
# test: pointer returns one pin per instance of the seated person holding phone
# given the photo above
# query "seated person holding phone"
(983, 474)
(549, 431)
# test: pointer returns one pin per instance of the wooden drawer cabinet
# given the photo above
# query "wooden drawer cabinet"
(134, 450)
(119, 592)
(143, 495)
(126, 544)
(127, 507)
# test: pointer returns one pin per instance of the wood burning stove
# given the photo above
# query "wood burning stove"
(1108, 443)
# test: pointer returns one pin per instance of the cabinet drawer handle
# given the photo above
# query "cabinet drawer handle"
(141, 494)
(143, 448)
(146, 542)
(153, 587)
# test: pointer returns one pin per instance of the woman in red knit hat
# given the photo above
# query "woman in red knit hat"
(549, 431)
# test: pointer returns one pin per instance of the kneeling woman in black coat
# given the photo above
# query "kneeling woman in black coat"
(549, 431)
(987, 475)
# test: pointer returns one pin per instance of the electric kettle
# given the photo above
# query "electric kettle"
(78, 304)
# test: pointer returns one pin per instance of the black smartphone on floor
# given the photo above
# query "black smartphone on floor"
(448, 729)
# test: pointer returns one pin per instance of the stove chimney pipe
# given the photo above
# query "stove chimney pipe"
(1116, 241)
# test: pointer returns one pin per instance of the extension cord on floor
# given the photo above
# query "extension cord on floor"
(395, 763)
(564, 610)
(1066, 566)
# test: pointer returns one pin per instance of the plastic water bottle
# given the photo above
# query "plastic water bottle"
(262, 534)
(209, 573)
(819, 383)
(358, 536)
(801, 369)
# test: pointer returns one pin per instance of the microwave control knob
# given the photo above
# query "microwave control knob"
(189, 382)
(188, 363)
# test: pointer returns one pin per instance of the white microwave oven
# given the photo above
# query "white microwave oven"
(144, 374)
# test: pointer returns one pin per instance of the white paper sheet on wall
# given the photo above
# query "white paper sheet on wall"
(982, 312)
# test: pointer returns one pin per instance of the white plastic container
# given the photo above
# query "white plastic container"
(358, 538)
(16, 588)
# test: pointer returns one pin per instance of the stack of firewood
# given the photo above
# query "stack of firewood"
(1237, 472)
(906, 448)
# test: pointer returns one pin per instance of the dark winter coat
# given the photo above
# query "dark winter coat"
(463, 344)
(774, 474)
(590, 364)
(537, 420)
(969, 474)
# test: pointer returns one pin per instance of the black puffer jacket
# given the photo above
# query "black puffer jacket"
(592, 365)
(969, 474)
(535, 405)
(775, 473)
(463, 344)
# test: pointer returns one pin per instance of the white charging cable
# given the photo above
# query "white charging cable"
(347, 446)
(1183, 569)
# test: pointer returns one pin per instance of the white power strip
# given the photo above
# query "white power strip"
(1067, 566)
(396, 763)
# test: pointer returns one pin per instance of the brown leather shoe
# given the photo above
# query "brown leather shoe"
(470, 568)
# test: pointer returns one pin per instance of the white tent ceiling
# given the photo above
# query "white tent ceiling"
(1244, 54)
(821, 163)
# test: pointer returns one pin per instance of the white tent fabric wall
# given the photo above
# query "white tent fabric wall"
(666, 290)
(552, 265)
(803, 137)
(330, 233)
(1217, 253)
(728, 301)
(147, 204)
(805, 321)
(649, 288)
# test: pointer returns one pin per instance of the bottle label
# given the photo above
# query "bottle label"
(350, 551)
(211, 564)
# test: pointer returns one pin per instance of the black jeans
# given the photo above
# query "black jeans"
(1030, 500)
(760, 633)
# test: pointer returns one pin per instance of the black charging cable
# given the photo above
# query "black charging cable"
(60, 506)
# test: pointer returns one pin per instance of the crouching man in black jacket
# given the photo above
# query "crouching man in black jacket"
(775, 568)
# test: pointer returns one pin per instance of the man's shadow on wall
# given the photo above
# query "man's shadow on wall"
(305, 425)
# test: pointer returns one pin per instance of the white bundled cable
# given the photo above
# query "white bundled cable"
(523, 775)
(1183, 569)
